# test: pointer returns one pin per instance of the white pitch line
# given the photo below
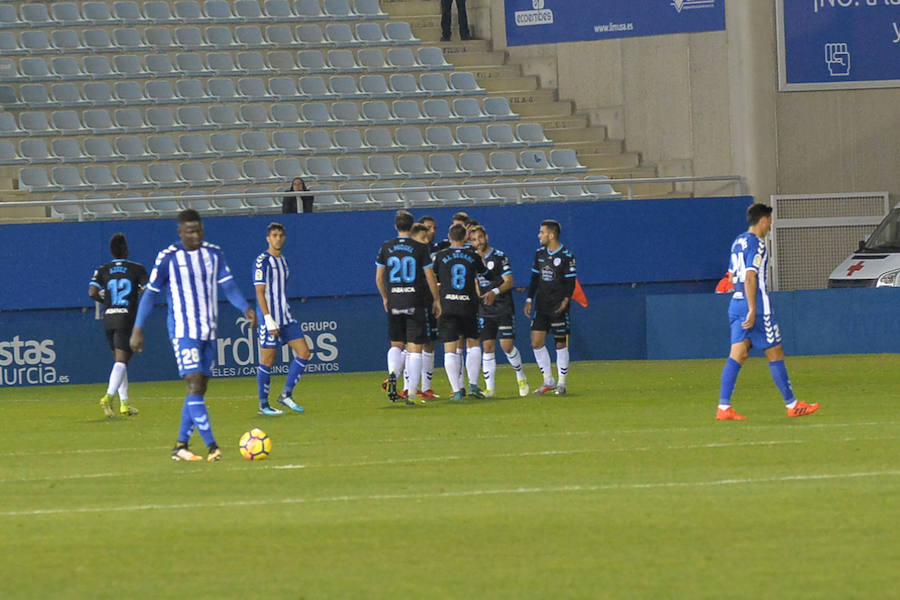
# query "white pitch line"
(456, 494)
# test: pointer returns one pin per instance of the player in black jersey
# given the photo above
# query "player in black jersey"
(497, 319)
(403, 273)
(117, 286)
(552, 284)
(424, 235)
(457, 269)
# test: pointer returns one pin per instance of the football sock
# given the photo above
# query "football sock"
(427, 370)
(473, 364)
(781, 379)
(729, 378)
(562, 364)
(451, 365)
(200, 416)
(460, 372)
(489, 366)
(115, 377)
(542, 356)
(298, 365)
(123, 388)
(515, 359)
(395, 360)
(187, 424)
(263, 381)
(414, 367)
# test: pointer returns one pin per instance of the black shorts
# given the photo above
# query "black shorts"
(502, 326)
(558, 325)
(409, 328)
(119, 338)
(453, 326)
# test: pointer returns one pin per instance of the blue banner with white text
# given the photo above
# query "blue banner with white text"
(552, 21)
(835, 44)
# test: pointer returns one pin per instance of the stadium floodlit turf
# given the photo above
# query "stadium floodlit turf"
(625, 488)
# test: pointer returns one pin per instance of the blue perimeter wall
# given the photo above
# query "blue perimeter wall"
(628, 252)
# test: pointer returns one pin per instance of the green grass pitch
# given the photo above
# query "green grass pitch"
(626, 488)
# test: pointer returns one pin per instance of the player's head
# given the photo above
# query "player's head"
(275, 236)
(298, 185)
(460, 218)
(429, 222)
(118, 246)
(190, 229)
(549, 232)
(457, 234)
(478, 238)
(403, 221)
(759, 216)
(419, 232)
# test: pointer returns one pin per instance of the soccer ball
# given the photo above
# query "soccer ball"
(255, 445)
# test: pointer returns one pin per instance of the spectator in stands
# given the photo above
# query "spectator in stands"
(461, 15)
(289, 203)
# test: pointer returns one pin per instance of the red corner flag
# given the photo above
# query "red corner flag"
(578, 295)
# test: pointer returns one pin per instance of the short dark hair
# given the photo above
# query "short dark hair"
(418, 228)
(118, 246)
(471, 223)
(475, 228)
(188, 215)
(274, 225)
(461, 216)
(427, 218)
(403, 221)
(553, 226)
(756, 212)
(457, 233)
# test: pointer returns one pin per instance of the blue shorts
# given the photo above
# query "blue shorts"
(194, 356)
(286, 333)
(765, 332)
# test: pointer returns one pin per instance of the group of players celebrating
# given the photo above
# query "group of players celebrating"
(459, 290)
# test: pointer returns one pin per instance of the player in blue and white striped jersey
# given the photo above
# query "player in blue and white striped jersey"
(191, 271)
(752, 318)
(278, 327)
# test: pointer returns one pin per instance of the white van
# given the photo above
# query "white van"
(877, 261)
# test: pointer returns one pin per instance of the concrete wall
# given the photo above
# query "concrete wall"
(708, 104)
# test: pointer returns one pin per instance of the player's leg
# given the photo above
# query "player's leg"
(561, 330)
(449, 334)
(195, 359)
(515, 360)
(425, 392)
(740, 350)
(540, 325)
(115, 376)
(395, 359)
(123, 355)
(292, 334)
(268, 350)
(488, 356)
(473, 361)
(795, 408)
(461, 353)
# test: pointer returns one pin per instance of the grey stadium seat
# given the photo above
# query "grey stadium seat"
(412, 165)
(126, 39)
(255, 115)
(438, 110)
(369, 9)
(380, 139)
(127, 12)
(280, 36)
(158, 12)
(99, 177)
(249, 11)
(287, 142)
(34, 151)
(400, 33)
(34, 95)
(224, 145)
(498, 108)
(312, 61)
(471, 136)
(351, 167)
(129, 93)
(566, 160)
(132, 176)
(35, 123)
(97, 13)
(288, 168)
(36, 15)
(372, 59)
(129, 65)
(97, 67)
(501, 135)
(383, 167)
(376, 112)
(195, 173)
(350, 140)
(370, 33)
(99, 149)
(342, 61)
(402, 59)
(35, 179)
(221, 63)
(282, 62)
(407, 111)
(220, 37)
(223, 116)
(190, 38)
(191, 63)
(258, 171)
(163, 175)
(536, 161)
(256, 143)
(194, 145)
(532, 134)
(160, 39)
(193, 118)
(191, 90)
(131, 147)
(474, 164)
(278, 10)
(226, 172)
(159, 65)
(254, 89)
(98, 120)
(67, 178)
(284, 88)
(67, 150)
(252, 63)
(310, 34)
(465, 83)
(443, 164)
(67, 122)
(189, 11)
(218, 11)
(97, 93)
(285, 115)
(308, 9)
(319, 141)
(440, 137)
(346, 113)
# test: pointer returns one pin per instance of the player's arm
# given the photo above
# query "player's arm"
(95, 292)
(379, 283)
(750, 284)
(435, 293)
(532, 290)
(145, 307)
(271, 325)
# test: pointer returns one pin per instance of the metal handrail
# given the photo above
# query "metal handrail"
(124, 200)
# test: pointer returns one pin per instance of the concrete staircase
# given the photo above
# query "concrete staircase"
(560, 119)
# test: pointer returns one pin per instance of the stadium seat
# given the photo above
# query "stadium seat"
(440, 137)
(312, 61)
(8, 16)
(535, 161)
(413, 165)
(194, 146)
(257, 170)
(346, 113)
(191, 64)
(278, 10)
(599, 187)
(476, 195)
(416, 197)
(507, 195)
(501, 135)
(498, 109)
(189, 11)
(350, 140)
(405, 85)
(316, 113)
(35, 179)
(319, 141)
(385, 199)
(370, 34)
(99, 149)
(33, 151)
(123, 40)
(287, 142)
(35, 123)
(220, 37)
(8, 125)
(129, 93)
(321, 168)
(256, 143)
(314, 88)
(36, 15)
(222, 90)
(158, 12)
(224, 116)
(352, 167)
(66, 212)
(66, 41)
(344, 87)
(164, 175)
(369, 9)
(66, 68)
(541, 193)
(374, 86)
(223, 145)
(252, 63)
(284, 88)
(443, 164)
(442, 193)
(193, 118)
(310, 34)
(409, 139)
(160, 147)
(471, 136)
(132, 176)
(400, 33)
(34, 95)
(129, 120)
(163, 207)
(67, 178)
(282, 62)
(97, 67)
(569, 188)
(434, 84)
(532, 134)
(438, 110)
(566, 160)
(196, 201)
(35, 69)
(308, 10)
(261, 204)
(221, 64)
(191, 91)
(67, 150)
(465, 83)
(127, 12)
(100, 177)
(9, 44)
(218, 11)
(160, 39)
(250, 36)
(279, 36)
(287, 168)
(229, 205)
(249, 11)
(227, 172)
(432, 58)
(160, 92)
(96, 93)
(380, 140)
(101, 210)
(339, 9)
(468, 109)
(190, 38)
(253, 89)
(474, 164)
(382, 166)
(504, 163)
(340, 34)
(195, 174)
(97, 120)
(376, 112)
(285, 115)
(326, 199)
